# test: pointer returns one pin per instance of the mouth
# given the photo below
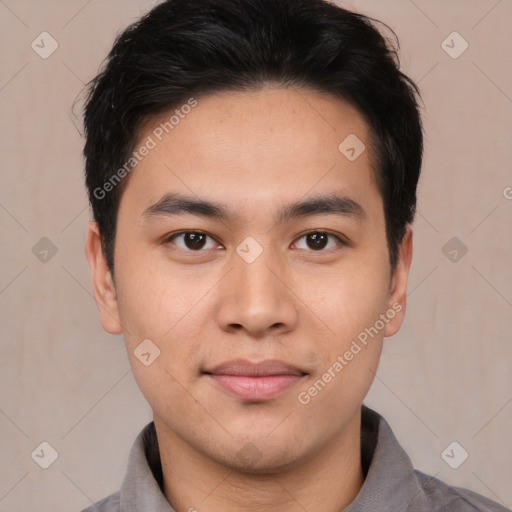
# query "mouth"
(255, 381)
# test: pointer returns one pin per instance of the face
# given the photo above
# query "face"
(262, 279)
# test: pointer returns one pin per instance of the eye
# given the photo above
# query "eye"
(192, 241)
(318, 240)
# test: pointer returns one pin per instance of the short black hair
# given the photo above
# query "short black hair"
(188, 48)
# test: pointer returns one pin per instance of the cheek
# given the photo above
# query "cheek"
(348, 301)
(349, 353)
(353, 329)
(164, 367)
(151, 298)
(166, 308)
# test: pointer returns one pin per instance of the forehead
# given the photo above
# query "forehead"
(266, 145)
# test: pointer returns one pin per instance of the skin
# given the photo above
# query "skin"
(253, 152)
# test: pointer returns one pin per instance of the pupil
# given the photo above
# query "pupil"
(319, 240)
(194, 240)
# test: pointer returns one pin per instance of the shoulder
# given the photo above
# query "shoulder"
(109, 504)
(447, 498)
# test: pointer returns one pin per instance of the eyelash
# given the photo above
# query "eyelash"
(169, 239)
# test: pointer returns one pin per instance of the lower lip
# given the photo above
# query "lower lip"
(256, 388)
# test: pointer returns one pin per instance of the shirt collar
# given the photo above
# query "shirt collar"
(142, 485)
(390, 481)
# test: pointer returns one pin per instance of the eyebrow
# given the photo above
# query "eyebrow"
(178, 204)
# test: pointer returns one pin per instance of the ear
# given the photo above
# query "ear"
(102, 283)
(398, 287)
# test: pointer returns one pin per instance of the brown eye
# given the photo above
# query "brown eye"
(191, 240)
(319, 240)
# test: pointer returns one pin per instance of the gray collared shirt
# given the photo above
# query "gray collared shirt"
(391, 483)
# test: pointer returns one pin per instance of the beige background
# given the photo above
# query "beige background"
(445, 377)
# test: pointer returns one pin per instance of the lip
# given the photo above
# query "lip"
(255, 381)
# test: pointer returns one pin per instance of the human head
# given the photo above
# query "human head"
(183, 49)
(259, 163)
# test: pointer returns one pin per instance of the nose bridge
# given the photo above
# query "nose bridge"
(256, 265)
(254, 295)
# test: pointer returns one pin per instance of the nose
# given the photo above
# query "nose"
(257, 296)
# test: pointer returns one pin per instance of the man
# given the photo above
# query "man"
(252, 168)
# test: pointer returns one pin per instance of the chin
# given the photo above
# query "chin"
(259, 456)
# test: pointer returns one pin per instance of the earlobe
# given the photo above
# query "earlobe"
(398, 289)
(102, 283)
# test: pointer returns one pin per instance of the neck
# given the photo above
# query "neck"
(326, 482)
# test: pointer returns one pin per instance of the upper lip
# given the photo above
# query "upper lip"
(258, 369)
